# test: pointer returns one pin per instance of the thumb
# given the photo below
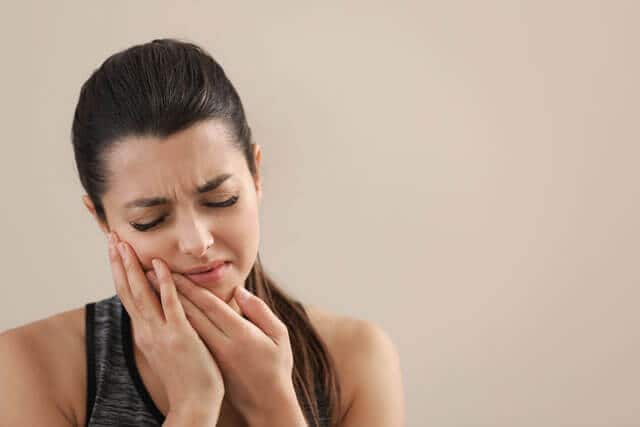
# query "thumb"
(259, 313)
(234, 305)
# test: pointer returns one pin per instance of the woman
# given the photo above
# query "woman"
(197, 333)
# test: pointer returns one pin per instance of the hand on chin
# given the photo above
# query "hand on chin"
(230, 300)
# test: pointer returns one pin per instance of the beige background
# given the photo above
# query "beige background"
(463, 173)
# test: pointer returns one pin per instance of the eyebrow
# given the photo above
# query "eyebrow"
(210, 185)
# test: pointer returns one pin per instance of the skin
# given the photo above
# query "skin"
(35, 358)
(191, 234)
(173, 167)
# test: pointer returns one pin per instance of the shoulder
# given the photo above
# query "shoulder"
(368, 365)
(47, 358)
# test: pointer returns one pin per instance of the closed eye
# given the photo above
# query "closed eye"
(144, 227)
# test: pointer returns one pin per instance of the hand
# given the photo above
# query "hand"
(163, 333)
(254, 355)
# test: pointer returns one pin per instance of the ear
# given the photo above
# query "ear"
(257, 155)
(86, 200)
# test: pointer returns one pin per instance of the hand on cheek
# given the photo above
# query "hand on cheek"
(251, 345)
(151, 276)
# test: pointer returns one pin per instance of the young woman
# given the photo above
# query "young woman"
(197, 333)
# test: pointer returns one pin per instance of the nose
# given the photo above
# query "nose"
(194, 238)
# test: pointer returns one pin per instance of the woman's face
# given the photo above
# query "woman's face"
(187, 233)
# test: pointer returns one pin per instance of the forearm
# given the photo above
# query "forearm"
(293, 419)
(192, 417)
(285, 413)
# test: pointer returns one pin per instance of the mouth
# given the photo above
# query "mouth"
(205, 268)
(214, 274)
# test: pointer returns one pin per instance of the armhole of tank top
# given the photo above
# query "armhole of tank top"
(91, 367)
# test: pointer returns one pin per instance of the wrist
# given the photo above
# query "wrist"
(193, 414)
(282, 411)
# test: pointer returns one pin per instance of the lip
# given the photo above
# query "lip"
(206, 267)
(210, 276)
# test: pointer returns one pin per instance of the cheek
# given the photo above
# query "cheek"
(149, 248)
(242, 235)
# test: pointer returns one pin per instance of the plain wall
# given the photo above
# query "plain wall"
(462, 173)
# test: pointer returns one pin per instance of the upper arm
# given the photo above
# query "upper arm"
(378, 397)
(28, 396)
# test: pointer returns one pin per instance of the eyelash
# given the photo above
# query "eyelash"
(144, 227)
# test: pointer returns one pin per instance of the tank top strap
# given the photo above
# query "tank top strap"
(113, 397)
(116, 394)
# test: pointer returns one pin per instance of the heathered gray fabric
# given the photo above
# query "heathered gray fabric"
(120, 397)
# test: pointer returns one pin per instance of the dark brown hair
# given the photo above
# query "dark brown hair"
(157, 89)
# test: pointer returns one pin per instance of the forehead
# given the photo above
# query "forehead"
(144, 166)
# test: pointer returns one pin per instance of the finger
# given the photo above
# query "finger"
(173, 311)
(121, 283)
(260, 314)
(211, 335)
(234, 305)
(217, 310)
(146, 300)
(195, 316)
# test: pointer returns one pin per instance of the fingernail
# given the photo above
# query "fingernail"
(156, 264)
(244, 294)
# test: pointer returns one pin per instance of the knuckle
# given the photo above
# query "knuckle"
(245, 333)
(284, 331)
(171, 338)
(124, 258)
(167, 301)
(281, 334)
(209, 305)
(142, 339)
(174, 340)
(137, 297)
(264, 307)
(260, 303)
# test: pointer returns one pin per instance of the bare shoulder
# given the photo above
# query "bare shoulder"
(49, 357)
(337, 330)
(368, 365)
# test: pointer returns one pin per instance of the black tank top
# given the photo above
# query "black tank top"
(116, 394)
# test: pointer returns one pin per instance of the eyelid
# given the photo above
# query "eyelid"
(228, 202)
(146, 226)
